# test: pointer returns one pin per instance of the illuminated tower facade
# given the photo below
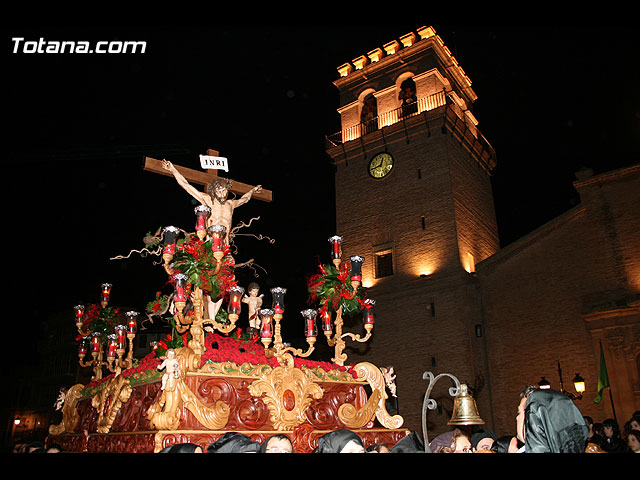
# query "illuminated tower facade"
(413, 196)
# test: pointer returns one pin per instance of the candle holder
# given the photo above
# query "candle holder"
(272, 331)
(336, 250)
(169, 235)
(106, 294)
(113, 344)
(202, 214)
(218, 234)
(355, 276)
(235, 302)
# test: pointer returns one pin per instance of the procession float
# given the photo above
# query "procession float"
(208, 377)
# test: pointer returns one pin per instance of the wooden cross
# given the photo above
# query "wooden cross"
(204, 178)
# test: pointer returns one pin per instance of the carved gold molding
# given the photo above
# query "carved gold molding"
(108, 401)
(70, 416)
(354, 418)
(287, 393)
(164, 413)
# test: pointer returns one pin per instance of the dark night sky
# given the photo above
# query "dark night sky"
(551, 100)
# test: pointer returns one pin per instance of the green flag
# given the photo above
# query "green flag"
(603, 378)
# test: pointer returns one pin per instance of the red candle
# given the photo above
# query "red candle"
(79, 310)
(170, 234)
(122, 336)
(326, 320)
(310, 322)
(368, 311)
(202, 213)
(95, 342)
(335, 243)
(113, 345)
(132, 325)
(278, 299)
(217, 233)
(266, 331)
(180, 294)
(82, 347)
(235, 298)
(106, 293)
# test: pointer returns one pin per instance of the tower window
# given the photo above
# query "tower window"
(408, 98)
(369, 114)
(384, 263)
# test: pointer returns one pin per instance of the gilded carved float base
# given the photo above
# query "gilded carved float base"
(201, 405)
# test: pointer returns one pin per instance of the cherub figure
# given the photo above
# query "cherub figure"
(389, 379)
(62, 395)
(171, 366)
(254, 302)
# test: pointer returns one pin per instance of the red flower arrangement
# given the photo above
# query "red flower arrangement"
(101, 319)
(220, 348)
(332, 289)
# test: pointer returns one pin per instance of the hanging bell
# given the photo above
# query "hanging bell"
(465, 411)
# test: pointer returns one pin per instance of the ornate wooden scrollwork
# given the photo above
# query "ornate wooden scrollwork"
(108, 401)
(70, 416)
(354, 418)
(164, 413)
(287, 392)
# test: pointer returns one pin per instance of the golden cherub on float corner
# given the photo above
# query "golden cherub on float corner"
(200, 285)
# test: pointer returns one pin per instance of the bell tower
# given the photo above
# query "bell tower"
(413, 196)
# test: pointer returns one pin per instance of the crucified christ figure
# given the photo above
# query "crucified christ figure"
(215, 197)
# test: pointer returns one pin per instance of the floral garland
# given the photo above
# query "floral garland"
(332, 289)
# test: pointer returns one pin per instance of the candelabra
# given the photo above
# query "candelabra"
(119, 343)
(271, 330)
(336, 339)
(196, 317)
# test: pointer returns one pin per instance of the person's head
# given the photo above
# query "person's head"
(378, 448)
(234, 442)
(35, 446)
(482, 440)
(219, 188)
(253, 288)
(598, 429)
(340, 441)
(279, 443)
(520, 412)
(633, 441)
(182, 448)
(610, 428)
(634, 423)
(461, 441)
(505, 444)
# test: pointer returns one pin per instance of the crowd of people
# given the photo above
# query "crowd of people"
(547, 421)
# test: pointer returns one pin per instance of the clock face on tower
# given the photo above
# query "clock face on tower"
(380, 166)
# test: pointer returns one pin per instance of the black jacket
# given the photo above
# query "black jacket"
(553, 424)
